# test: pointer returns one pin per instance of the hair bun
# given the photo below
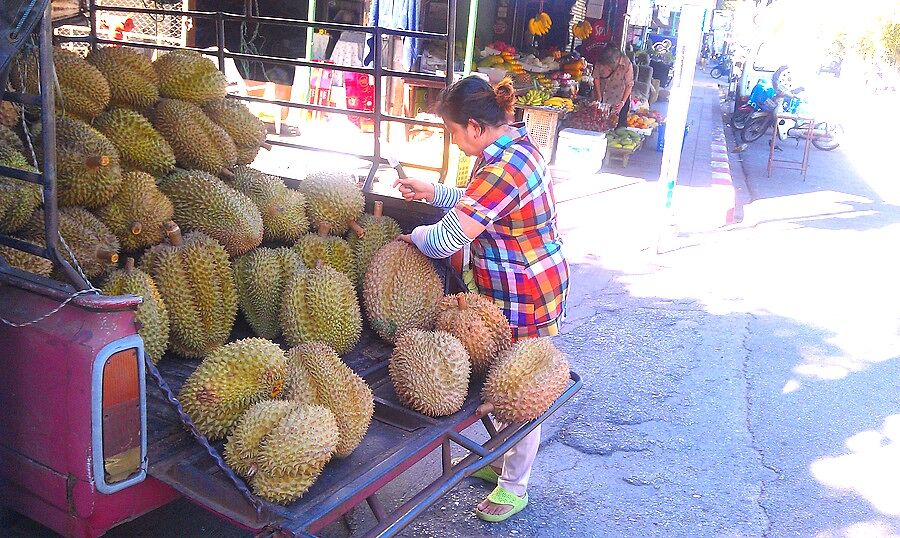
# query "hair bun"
(505, 94)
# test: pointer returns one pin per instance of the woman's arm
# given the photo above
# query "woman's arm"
(629, 81)
(436, 194)
(447, 236)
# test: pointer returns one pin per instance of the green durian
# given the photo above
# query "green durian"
(189, 76)
(261, 276)
(138, 212)
(333, 199)
(328, 249)
(283, 210)
(320, 305)
(230, 380)
(84, 91)
(140, 146)
(197, 142)
(25, 261)
(430, 372)
(18, 199)
(478, 323)
(246, 130)
(378, 231)
(194, 278)
(151, 316)
(10, 140)
(95, 247)
(242, 447)
(132, 79)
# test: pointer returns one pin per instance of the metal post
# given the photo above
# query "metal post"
(446, 460)
(470, 37)
(92, 14)
(220, 39)
(378, 60)
(451, 52)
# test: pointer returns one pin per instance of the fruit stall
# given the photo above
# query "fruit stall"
(261, 345)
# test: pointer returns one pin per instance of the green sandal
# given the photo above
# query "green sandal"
(504, 497)
(486, 473)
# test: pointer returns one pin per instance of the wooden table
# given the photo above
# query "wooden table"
(803, 163)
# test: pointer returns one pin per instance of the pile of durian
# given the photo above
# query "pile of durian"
(153, 164)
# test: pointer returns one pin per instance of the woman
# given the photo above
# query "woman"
(613, 80)
(508, 216)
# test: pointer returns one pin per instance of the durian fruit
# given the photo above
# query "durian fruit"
(246, 130)
(18, 199)
(328, 249)
(194, 278)
(187, 75)
(230, 380)
(138, 212)
(525, 380)
(25, 261)
(10, 140)
(84, 91)
(478, 323)
(401, 290)
(336, 387)
(320, 305)
(95, 247)
(261, 276)
(282, 448)
(132, 79)
(198, 143)
(88, 171)
(152, 317)
(283, 210)
(430, 372)
(205, 203)
(332, 198)
(378, 231)
(10, 114)
(140, 146)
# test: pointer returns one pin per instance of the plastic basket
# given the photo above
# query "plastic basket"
(542, 126)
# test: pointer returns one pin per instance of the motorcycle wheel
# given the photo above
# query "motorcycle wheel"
(739, 119)
(716, 72)
(832, 140)
(754, 129)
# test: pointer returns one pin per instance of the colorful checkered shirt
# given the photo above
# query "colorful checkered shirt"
(518, 259)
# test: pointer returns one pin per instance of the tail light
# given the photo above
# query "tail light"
(120, 416)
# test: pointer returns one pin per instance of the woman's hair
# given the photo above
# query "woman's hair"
(474, 99)
(609, 55)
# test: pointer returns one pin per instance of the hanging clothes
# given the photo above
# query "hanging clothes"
(397, 15)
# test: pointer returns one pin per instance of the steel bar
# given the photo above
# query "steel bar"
(413, 76)
(377, 508)
(220, 40)
(413, 121)
(489, 426)
(468, 444)
(23, 98)
(24, 175)
(446, 460)
(304, 106)
(24, 246)
(451, 57)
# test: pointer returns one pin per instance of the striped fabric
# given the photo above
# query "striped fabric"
(442, 239)
(518, 259)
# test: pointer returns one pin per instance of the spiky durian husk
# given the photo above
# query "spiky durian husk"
(242, 447)
(84, 91)
(336, 387)
(95, 247)
(10, 140)
(379, 231)
(230, 380)
(525, 380)
(18, 199)
(478, 323)
(261, 276)
(205, 203)
(187, 75)
(320, 305)
(401, 290)
(327, 249)
(197, 285)
(137, 213)
(197, 142)
(283, 210)
(151, 316)
(132, 80)
(332, 199)
(140, 146)
(430, 372)
(247, 131)
(10, 114)
(25, 261)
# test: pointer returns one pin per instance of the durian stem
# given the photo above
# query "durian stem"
(97, 161)
(227, 174)
(461, 301)
(136, 228)
(484, 409)
(379, 209)
(266, 146)
(129, 264)
(357, 229)
(108, 256)
(324, 229)
(173, 232)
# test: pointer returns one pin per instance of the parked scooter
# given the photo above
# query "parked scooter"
(721, 67)
(762, 92)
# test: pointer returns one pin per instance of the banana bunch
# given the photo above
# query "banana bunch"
(560, 102)
(582, 30)
(533, 97)
(540, 24)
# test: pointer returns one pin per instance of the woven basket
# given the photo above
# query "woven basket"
(61, 9)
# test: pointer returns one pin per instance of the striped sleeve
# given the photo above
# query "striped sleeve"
(492, 194)
(445, 196)
(441, 240)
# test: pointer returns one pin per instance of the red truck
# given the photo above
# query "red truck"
(91, 434)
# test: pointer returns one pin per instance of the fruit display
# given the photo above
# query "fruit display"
(205, 203)
(195, 280)
(401, 290)
(332, 198)
(140, 146)
(430, 372)
(533, 97)
(640, 122)
(320, 305)
(525, 380)
(478, 323)
(230, 380)
(582, 30)
(574, 65)
(197, 141)
(132, 80)
(152, 316)
(18, 199)
(93, 244)
(283, 210)
(260, 277)
(623, 138)
(188, 76)
(592, 117)
(328, 249)
(540, 24)
(332, 384)
(137, 213)
(563, 103)
(246, 130)
(84, 91)
(282, 447)
(379, 230)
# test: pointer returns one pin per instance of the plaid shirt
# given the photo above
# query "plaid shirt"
(517, 260)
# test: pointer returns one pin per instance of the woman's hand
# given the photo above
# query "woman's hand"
(406, 238)
(415, 189)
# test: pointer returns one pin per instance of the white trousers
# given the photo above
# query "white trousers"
(517, 462)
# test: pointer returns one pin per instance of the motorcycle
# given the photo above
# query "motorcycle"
(762, 92)
(721, 66)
